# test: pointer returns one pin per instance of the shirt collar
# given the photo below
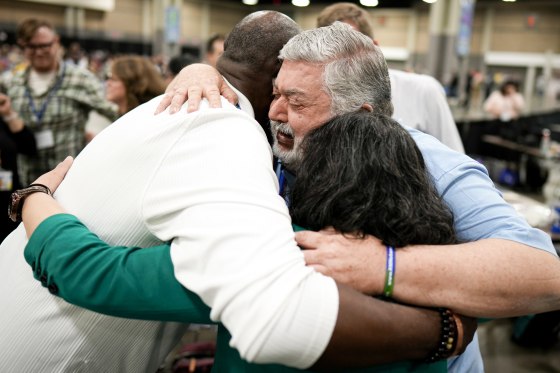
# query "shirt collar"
(244, 103)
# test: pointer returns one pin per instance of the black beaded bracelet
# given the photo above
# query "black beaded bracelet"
(447, 337)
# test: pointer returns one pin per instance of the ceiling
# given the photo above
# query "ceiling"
(392, 3)
(382, 3)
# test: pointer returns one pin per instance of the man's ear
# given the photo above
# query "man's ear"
(375, 42)
(367, 107)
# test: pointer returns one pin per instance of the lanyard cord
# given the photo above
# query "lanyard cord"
(40, 113)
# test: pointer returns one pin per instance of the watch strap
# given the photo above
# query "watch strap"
(18, 197)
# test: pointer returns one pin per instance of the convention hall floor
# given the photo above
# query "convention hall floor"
(501, 355)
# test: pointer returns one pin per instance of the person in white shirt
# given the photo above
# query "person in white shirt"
(505, 104)
(418, 100)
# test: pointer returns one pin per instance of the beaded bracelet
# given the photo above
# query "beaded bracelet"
(389, 273)
(447, 338)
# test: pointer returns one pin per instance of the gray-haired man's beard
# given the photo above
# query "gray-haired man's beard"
(290, 158)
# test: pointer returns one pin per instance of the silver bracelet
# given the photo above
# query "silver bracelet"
(12, 116)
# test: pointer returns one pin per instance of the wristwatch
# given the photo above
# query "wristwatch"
(17, 198)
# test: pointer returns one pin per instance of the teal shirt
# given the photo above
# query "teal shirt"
(132, 282)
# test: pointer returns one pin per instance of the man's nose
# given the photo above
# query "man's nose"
(278, 111)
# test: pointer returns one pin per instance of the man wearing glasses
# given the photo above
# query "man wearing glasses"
(53, 99)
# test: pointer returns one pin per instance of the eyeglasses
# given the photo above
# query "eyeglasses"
(43, 47)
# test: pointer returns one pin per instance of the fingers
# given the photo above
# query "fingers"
(308, 240)
(53, 178)
(194, 95)
(229, 94)
(319, 268)
(311, 257)
(173, 99)
(63, 167)
(165, 102)
(179, 98)
(212, 93)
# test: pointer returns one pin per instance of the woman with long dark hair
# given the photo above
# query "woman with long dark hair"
(363, 173)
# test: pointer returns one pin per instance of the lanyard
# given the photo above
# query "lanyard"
(41, 112)
(281, 177)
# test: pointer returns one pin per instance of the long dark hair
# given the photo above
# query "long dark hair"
(363, 173)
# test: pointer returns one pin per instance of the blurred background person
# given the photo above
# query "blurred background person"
(419, 101)
(506, 103)
(52, 98)
(176, 63)
(76, 56)
(15, 138)
(214, 49)
(131, 81)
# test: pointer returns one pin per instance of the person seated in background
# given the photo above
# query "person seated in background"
(505, 104)
(355, 174)
(131, 81)
(176, 64)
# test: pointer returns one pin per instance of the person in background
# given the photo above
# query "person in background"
(76, 56)
(15, 138)
(419, 101)
(176, 64)
(505, 104)
(214, 49)
(131, 81)
(52, 98)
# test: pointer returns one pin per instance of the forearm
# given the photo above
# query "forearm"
(370, 331)
(38, 207)
(488, 278)
(118, 281)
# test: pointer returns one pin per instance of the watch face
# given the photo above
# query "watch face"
(14, 210)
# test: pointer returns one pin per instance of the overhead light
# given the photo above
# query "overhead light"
(300, 2)
(250, 2)
(509, 1)
(369, 2)
(429, 1)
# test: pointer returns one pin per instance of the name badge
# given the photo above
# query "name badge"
(6, 180)
(44, 139)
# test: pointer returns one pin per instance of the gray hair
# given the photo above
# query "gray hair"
(355, 71)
